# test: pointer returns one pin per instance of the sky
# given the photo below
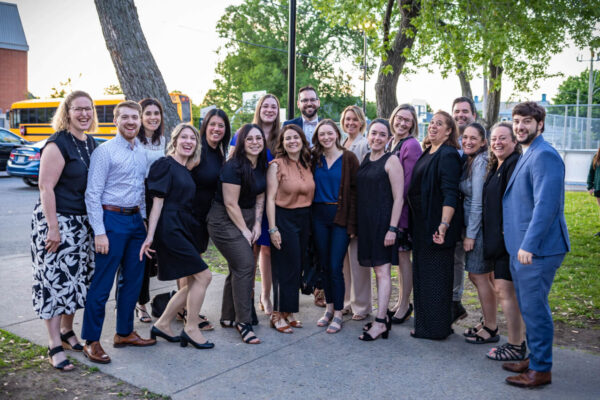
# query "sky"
(65, 41)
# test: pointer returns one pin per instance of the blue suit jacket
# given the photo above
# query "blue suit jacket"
(533, 203)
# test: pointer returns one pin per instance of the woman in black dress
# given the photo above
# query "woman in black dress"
(504, 154)
(379, 182)
(433, 198)
(61, 247)
(172, 223)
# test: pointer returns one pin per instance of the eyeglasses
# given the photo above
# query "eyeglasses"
(313, 100)
(81, 110)
(398, 120)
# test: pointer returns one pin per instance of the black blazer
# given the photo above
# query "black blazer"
(493, 191)
(439, 187)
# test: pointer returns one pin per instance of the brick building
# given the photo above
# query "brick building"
(13, 57)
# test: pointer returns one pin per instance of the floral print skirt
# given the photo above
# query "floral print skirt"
(61, 279)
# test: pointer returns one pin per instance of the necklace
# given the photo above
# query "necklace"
(79, 151)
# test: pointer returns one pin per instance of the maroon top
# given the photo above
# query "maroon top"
(409, 153)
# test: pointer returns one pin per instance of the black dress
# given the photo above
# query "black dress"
(433, 265)
(176, 240)
(374, 203)
(206, 177)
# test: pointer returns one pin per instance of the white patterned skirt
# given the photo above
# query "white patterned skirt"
(61, 279)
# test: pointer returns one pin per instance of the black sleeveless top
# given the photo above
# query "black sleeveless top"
(70, 188)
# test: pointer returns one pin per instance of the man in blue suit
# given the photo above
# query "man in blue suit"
(308, 104)
(536, 237)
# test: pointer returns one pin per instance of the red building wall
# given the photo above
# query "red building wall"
(13, 77)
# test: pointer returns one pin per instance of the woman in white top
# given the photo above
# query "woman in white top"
(152, 139)
(357, 279)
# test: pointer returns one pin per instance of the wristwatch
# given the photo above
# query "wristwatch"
(273, 230)
(393, 228)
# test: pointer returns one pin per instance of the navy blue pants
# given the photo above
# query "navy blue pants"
(126, 233)
(331, 242)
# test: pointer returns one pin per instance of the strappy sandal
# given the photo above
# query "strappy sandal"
(478, 339)
(142, 315)
(205, 325)
(247, 334)
(325, 319)
(359, 317)
(366, 337)
(64, 363)
(225, 323)
(64, 337)
(388, 322)
(335, 329)
(277, 317)
(294, 323)
(508, 352)
(472, 332)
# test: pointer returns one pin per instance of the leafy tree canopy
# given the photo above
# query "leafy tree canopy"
(113, 89)
(321, 50)
(567, 94)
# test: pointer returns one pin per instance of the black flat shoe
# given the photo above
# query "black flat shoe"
(63, 364)
(154, 332)
(185, 339)
(405, 317)
(64, 337)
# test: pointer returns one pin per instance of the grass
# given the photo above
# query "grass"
(17, 353)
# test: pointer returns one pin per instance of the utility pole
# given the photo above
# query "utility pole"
(588, 136)
(364, 71)
(291, 60)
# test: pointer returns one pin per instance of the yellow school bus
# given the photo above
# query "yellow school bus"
(31, 119)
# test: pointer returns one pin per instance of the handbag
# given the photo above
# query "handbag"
(159, 303)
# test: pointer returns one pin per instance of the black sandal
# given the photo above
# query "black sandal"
(477, 339)
(64, 337)
(247, 333)
(472, 332)
(388, 323)
(64, 363)
(508, 352)
(226, 323)
(368, 338)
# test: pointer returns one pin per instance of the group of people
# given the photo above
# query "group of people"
(286, 195)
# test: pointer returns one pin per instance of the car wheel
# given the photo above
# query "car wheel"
(33, 182)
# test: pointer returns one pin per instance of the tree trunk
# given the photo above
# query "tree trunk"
(493, 99)
(465, 84)
(137, 71)
(385, 87)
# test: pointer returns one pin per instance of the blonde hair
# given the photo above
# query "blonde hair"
(359, 114)
(60, 120)
(195, 158)
(127, 104)
(414, 129)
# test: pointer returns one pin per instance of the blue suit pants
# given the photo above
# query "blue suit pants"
(126, 234)
(532, 285)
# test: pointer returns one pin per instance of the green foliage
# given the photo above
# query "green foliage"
(61, 90)
(113, 89)
(248, 67)
(17, 353)
(567, 94)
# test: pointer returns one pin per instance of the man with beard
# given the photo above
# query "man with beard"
(115, 204)
(463, 112)
(536, 237)
(308, 104)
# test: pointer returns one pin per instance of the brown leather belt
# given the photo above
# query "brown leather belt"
(122, 210)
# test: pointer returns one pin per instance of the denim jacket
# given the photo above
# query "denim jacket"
(471, 185)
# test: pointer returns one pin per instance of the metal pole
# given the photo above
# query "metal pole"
(291, 60)
(588, 135)
(365, 71)
(564, 144)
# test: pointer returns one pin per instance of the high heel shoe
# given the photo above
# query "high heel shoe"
(388, 322)
(368, 338)
(154, 332)
(185, 339)
(404, 318)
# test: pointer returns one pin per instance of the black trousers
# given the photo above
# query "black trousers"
(287, 263)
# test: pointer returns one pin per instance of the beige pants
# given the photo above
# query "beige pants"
(358, 282)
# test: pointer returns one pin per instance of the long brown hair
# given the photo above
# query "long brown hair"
(596, 160)
(304, 153)
(157, 133)
(317, 151)
(481, 132)
(492, 159)
(451, 124)
(273, 135)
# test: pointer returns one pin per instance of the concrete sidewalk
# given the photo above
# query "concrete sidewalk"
(308, 364)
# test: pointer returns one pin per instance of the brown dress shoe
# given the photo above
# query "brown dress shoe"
(94, 352)
(133, 339)
(530, 379)
(518, 367)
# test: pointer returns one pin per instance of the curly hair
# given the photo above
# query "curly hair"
(451, 124)
(61, 121)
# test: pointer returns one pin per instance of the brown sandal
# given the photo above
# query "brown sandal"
(276, 317)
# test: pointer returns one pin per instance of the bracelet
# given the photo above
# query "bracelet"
(273, 230)
(445, 223)
(393, 228)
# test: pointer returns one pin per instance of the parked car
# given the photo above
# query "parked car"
(8, 142)
(24, 161)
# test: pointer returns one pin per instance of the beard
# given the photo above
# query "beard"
(309, 113)
(532, 134)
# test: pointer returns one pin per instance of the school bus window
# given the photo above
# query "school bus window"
(100, 112)
(108, 113)
(41, 115)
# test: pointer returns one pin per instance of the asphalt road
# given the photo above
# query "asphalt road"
(16, 204)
